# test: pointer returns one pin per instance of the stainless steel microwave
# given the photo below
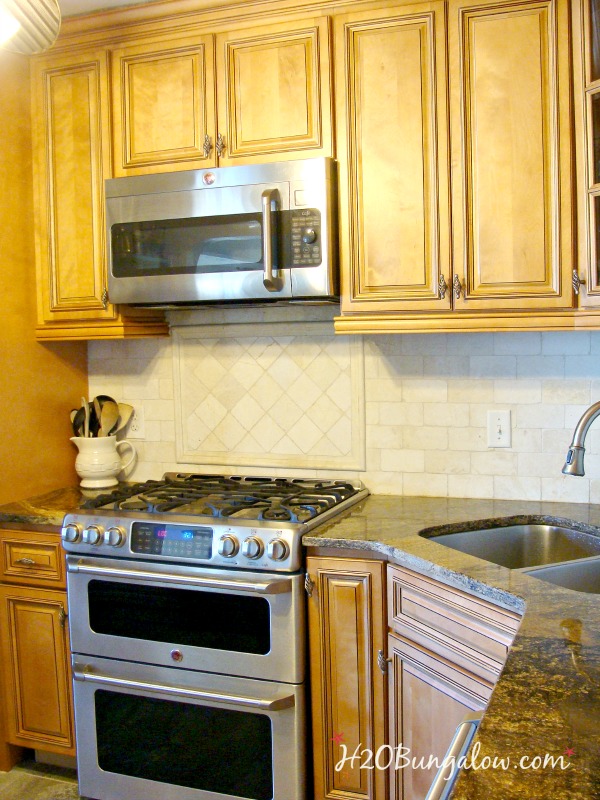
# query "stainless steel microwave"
(230, 234)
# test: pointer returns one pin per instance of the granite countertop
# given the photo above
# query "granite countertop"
(547, 699)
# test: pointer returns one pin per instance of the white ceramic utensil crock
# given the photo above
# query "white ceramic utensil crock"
(99, 461)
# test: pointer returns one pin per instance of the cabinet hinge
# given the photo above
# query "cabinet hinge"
(382, 662)
(309, 584)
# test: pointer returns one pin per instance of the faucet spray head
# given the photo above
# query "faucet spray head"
(574, 461)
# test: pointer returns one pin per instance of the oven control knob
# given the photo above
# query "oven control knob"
(252, 547)
(114, 537)
(277, 550)
(92, 534)
(71, 533)
(309, 236)
(228, 546)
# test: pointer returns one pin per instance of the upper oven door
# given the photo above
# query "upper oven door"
(233, 623)
(197, 244)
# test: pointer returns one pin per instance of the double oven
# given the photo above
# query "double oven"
(188, 636)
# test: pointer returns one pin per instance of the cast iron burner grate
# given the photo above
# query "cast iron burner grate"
(220, 496)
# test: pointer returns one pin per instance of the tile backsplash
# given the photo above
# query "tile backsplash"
(407, 414)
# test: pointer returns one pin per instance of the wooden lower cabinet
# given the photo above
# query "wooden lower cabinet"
(428, 697)
(36, 672)
(346, 617)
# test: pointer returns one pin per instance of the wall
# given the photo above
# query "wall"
(421, 415)
(39, 384)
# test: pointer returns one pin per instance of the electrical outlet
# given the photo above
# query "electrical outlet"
(136, 428)
(498, 428)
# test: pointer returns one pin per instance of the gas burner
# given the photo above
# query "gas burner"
(294, 500)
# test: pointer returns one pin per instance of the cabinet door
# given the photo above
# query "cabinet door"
(510, 113)
(393, 150)
(163, 106)
(429, 697)
(346, 633)
(36, 673)
(71, 155)
(273, 98)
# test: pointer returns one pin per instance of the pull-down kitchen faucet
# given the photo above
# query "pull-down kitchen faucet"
(574, 462)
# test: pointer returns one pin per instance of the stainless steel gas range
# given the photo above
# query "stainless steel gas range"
(188, 637)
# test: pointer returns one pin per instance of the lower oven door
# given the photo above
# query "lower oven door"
(152, 733)
(213, 620)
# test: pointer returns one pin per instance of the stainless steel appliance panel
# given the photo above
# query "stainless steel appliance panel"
(230, 622)
(146, 733)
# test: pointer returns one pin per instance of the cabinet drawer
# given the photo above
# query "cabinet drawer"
(31, 558)
(471, 632)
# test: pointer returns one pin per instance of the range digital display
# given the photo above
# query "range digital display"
(169, 539)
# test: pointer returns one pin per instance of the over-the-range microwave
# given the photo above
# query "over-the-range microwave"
(230, 234)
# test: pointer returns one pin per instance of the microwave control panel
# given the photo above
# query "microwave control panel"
(306, 237)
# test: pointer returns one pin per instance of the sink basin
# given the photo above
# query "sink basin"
(582, 576)
(519, 546)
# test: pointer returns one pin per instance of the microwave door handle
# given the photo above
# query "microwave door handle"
(271, 281)
(84, 673)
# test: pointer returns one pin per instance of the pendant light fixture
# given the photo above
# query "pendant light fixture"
(28, 26)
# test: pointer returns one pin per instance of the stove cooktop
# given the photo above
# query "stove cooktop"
(213, 520)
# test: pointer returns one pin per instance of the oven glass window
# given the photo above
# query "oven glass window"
(194, 245)
(182, 744)
(236, 623)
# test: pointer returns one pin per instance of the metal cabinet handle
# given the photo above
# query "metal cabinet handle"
(273, 704)
(104, 298)
(446, 776)
(256, 587)
(27, 562)
(207, 147)
(62, 616)
(382, 661)
(271, 280)
(577, 282)
(442, 287)
(458, 288)
(220, 145)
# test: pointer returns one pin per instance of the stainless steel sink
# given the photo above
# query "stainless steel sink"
(520, 546)
(581, 576)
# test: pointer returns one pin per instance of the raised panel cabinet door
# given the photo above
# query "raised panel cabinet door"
(392, 141)
(163, 106)
(273, 92)
(35, 665)
(429, 698)
(510, 113)
(71, 148)
(346, 633)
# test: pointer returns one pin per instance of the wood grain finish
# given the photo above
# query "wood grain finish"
(393, 157)
(273, 86)
(429, 697)
(511, 131)
(36, 671)
(34, 559)
(346, 631)
(163, 106)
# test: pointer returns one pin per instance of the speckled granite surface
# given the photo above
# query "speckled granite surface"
(547, 700)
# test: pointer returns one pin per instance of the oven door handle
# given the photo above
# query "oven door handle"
(272, 704)
(256, 587)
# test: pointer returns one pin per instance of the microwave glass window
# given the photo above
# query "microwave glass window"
(183, 744)
(181, 246)
(181, 616)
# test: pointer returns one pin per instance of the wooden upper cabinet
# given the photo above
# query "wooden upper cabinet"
(471, 210)
(270, 91)
(393, 153)
(71, 158)
(273, 92)
(510, 116)
(163, 106)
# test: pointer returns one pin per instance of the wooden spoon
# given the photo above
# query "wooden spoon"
(125, 412)
(108, 418)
